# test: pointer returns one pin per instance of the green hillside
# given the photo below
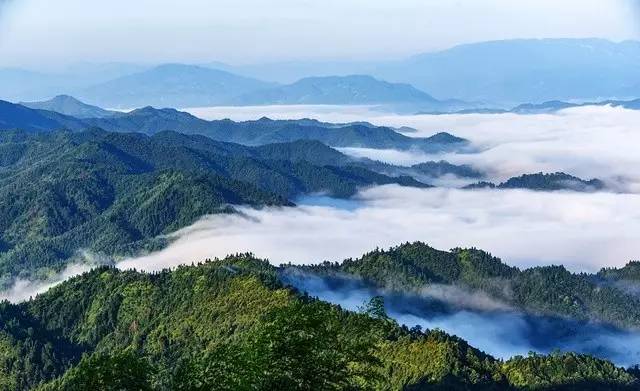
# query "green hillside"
(115, 192)
(230, 325)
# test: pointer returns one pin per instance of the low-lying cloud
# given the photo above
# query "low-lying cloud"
(588, 142)
(582, 231)
(485, 323)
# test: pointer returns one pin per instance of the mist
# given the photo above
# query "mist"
(486, 324)
(23, 290)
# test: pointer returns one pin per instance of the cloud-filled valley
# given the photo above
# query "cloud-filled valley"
(589, 141)
(582, 231)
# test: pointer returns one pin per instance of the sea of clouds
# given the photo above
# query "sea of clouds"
(583, 231)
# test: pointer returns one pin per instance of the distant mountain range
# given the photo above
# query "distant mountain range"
(548, 107)
(517, 71)
(149, 120)
(190, 86)
(503, 73)
(498, 74)
(554, 106)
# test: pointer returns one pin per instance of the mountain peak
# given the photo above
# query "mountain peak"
(68, 105)
(350, 89)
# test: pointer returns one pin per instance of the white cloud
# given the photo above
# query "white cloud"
(23, 290)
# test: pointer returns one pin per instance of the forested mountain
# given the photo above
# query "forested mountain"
(231, 325)
(545, 182)
(337, 90)
(263, 131)
(549, 290)
(68, 105)
(62, 191)
(630, 272)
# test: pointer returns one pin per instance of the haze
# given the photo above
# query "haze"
(40, 33)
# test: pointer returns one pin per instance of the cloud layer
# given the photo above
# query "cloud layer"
(582, 231)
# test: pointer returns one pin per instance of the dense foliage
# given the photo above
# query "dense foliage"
(231, 325)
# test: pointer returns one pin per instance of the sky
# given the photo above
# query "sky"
(37, 32)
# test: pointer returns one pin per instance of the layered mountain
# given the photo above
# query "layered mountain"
(68, 105)
(26, 85)
(338, 90)
(231, 324)
(171, 85)
(111, 192)
(149, 120)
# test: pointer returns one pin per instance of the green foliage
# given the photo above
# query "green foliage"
(375, 308)
(230, 325)
(567, 371)
(118, 372)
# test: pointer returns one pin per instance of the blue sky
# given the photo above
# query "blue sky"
(37, 32)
